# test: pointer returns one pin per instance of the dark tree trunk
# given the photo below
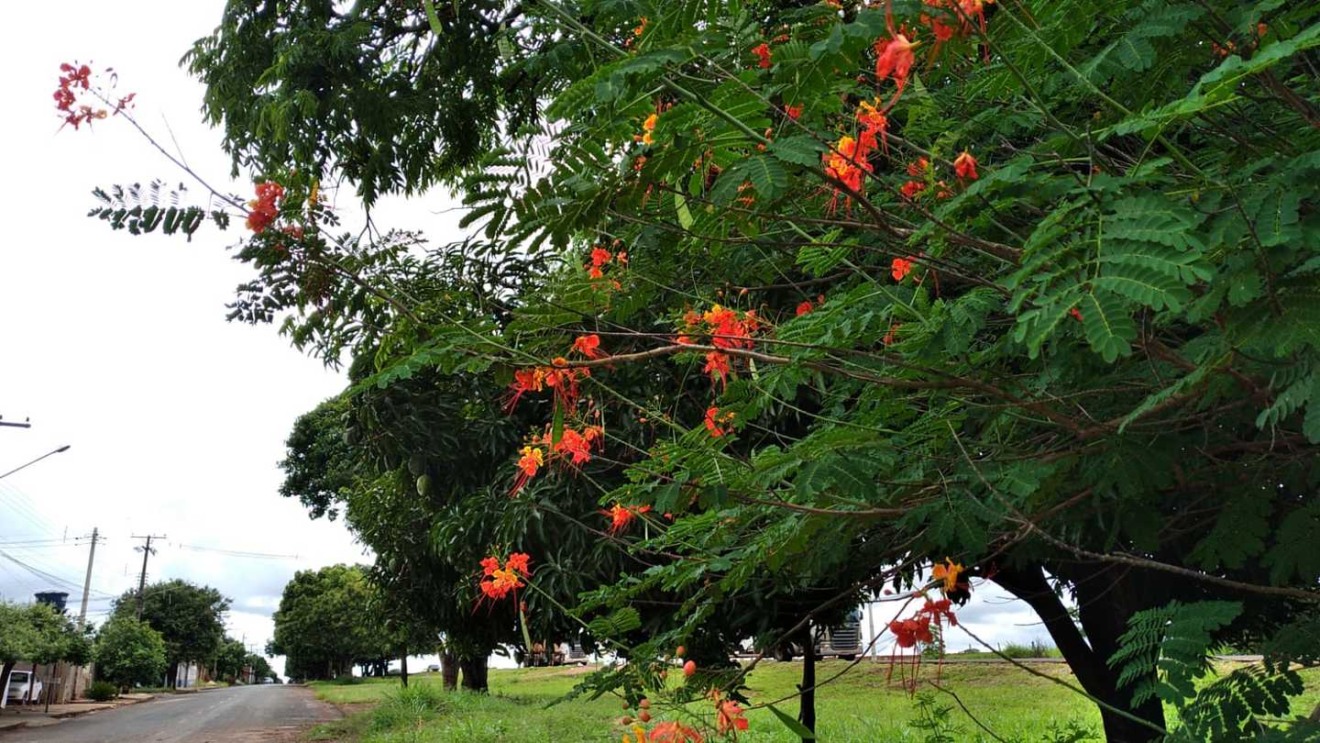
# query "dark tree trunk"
(475, 674)
(449, 671)
(403, 668)
(807, 699)
(172, 677)
(1106, 599)
(4, 674)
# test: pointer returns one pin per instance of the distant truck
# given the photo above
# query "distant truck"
(843, 641)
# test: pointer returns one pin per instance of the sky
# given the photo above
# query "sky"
(117, 346)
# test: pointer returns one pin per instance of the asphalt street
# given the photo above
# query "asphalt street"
(240, 714)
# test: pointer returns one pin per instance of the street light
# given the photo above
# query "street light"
(38, 459)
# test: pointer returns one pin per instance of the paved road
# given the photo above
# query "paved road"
(241, 714)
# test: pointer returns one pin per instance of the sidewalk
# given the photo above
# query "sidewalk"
(14, 717)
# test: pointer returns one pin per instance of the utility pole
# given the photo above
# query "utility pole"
(87, 582)
(71, 682)
(147, 552)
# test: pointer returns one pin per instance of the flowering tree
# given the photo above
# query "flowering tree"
(1030, 286)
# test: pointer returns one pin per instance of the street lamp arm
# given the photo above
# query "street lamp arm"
(38, 459)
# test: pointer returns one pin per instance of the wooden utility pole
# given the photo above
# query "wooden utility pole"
(82, 619)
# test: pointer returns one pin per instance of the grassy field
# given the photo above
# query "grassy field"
(860, 706)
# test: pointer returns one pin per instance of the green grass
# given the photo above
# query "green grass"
(860, 706)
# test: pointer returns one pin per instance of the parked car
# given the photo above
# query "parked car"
(433, 668)
(19, 681)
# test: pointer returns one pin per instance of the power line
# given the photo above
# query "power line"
(237, 553)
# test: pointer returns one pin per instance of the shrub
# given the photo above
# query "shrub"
(407, 707)
(102, 691)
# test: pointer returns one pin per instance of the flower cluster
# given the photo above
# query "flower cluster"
(717, 423)
(916, 629)
(621, 516)
(75, 78)
(573, 447)
(497, 582)
(648, 130)
(560, 378)
(727, 329)
(762, 52)
(265, 209)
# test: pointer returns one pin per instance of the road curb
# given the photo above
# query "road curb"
(51, 718)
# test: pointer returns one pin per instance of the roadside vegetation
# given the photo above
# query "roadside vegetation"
(863, 705)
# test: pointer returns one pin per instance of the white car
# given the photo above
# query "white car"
(18, 687)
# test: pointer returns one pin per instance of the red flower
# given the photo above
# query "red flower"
(965, 166)
(489, 565)
(621, 516)
(891, 336)
(530, 462)
(670, 731)
(918, 168)
(717, 366)
(265, 208)
(525, 380)
(519, 562)
(763, 52)
(793, 112)
(729, 717)
(589, 346)
(804, 308)
(715, 422)
(873, 122)
(895, 59)
(1076, 314)
(911, 189)
(900, 268)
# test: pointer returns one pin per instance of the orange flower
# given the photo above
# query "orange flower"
(912, 189)
(900, 268)
(532, 459)
(715, 423)
(918, 168)
(873, 122)
(947, 572)
(520, 562)
(525, 380)
(589, 346)
(621, 516)
(641, 27)
(729, 717)
(648, 129)
(575, 446)
(265, 208)
(717, 366)
(895, 59)
(965, 166)
(891, 336)
(762, 51)
(671, 731)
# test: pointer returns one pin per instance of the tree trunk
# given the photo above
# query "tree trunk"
(172, 675)
(475, 674)
(449, 671)
(807, 699)
(403, 668)
(32, 681)
(1105, 600)
(4, 676)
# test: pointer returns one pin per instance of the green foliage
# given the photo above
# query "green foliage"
(129, 653)
(189, 617)
(1174, 640)
(323, 625)
(1105, 351)
(102, 691)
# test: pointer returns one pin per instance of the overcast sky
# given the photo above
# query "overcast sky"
(118, 346)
